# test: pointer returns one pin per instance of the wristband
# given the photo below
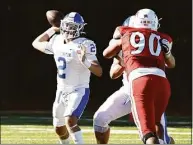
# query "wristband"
(50, 32)
(87, 63)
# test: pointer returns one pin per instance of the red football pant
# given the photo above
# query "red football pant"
(149, 95)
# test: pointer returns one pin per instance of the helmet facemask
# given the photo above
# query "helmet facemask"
(71, 30)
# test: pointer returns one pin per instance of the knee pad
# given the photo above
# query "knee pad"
(100, 129)
(100, 122)
(148, 135)
(58, 122)
(101, 119)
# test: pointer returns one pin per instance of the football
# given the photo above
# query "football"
(54, 17)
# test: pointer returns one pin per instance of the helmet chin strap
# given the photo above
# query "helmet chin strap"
(69, 35)
(66, 39)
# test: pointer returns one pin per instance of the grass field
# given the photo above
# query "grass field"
(36, 129)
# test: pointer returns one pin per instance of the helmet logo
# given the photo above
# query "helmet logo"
(145, 16)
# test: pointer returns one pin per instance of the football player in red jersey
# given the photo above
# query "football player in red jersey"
(146, 53)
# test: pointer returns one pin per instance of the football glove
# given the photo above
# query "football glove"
(165, 45)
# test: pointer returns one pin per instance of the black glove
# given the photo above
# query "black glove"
(165, 45)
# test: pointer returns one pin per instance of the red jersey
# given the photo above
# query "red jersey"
(141, 48)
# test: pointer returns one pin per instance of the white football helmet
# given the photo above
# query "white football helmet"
(146, 18)
(129, 21)
(72, 25)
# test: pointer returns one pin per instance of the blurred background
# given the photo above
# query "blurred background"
(28, 77)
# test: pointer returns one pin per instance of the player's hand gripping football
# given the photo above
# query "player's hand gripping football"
(54, 17)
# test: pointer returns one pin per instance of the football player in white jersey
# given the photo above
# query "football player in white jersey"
(75, 58)
(118, 104)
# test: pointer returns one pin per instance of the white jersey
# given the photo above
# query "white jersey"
(124, 80)
(71, 72)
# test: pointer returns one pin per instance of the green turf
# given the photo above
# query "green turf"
(37, 130)
(39, 134)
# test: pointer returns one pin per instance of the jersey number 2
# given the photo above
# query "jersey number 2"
(61, 67)
(140, 45)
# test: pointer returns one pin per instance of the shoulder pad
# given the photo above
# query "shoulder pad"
(90, 45)
(79, 40)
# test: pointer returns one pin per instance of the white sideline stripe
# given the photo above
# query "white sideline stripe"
(26, 130)
(118, 121)
(84, 139)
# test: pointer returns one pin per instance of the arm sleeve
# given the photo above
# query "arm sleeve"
(49, 48)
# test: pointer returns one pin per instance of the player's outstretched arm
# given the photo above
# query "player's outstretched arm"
(113, 48)
(116, 68)
(170, 60)
(41, 41)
